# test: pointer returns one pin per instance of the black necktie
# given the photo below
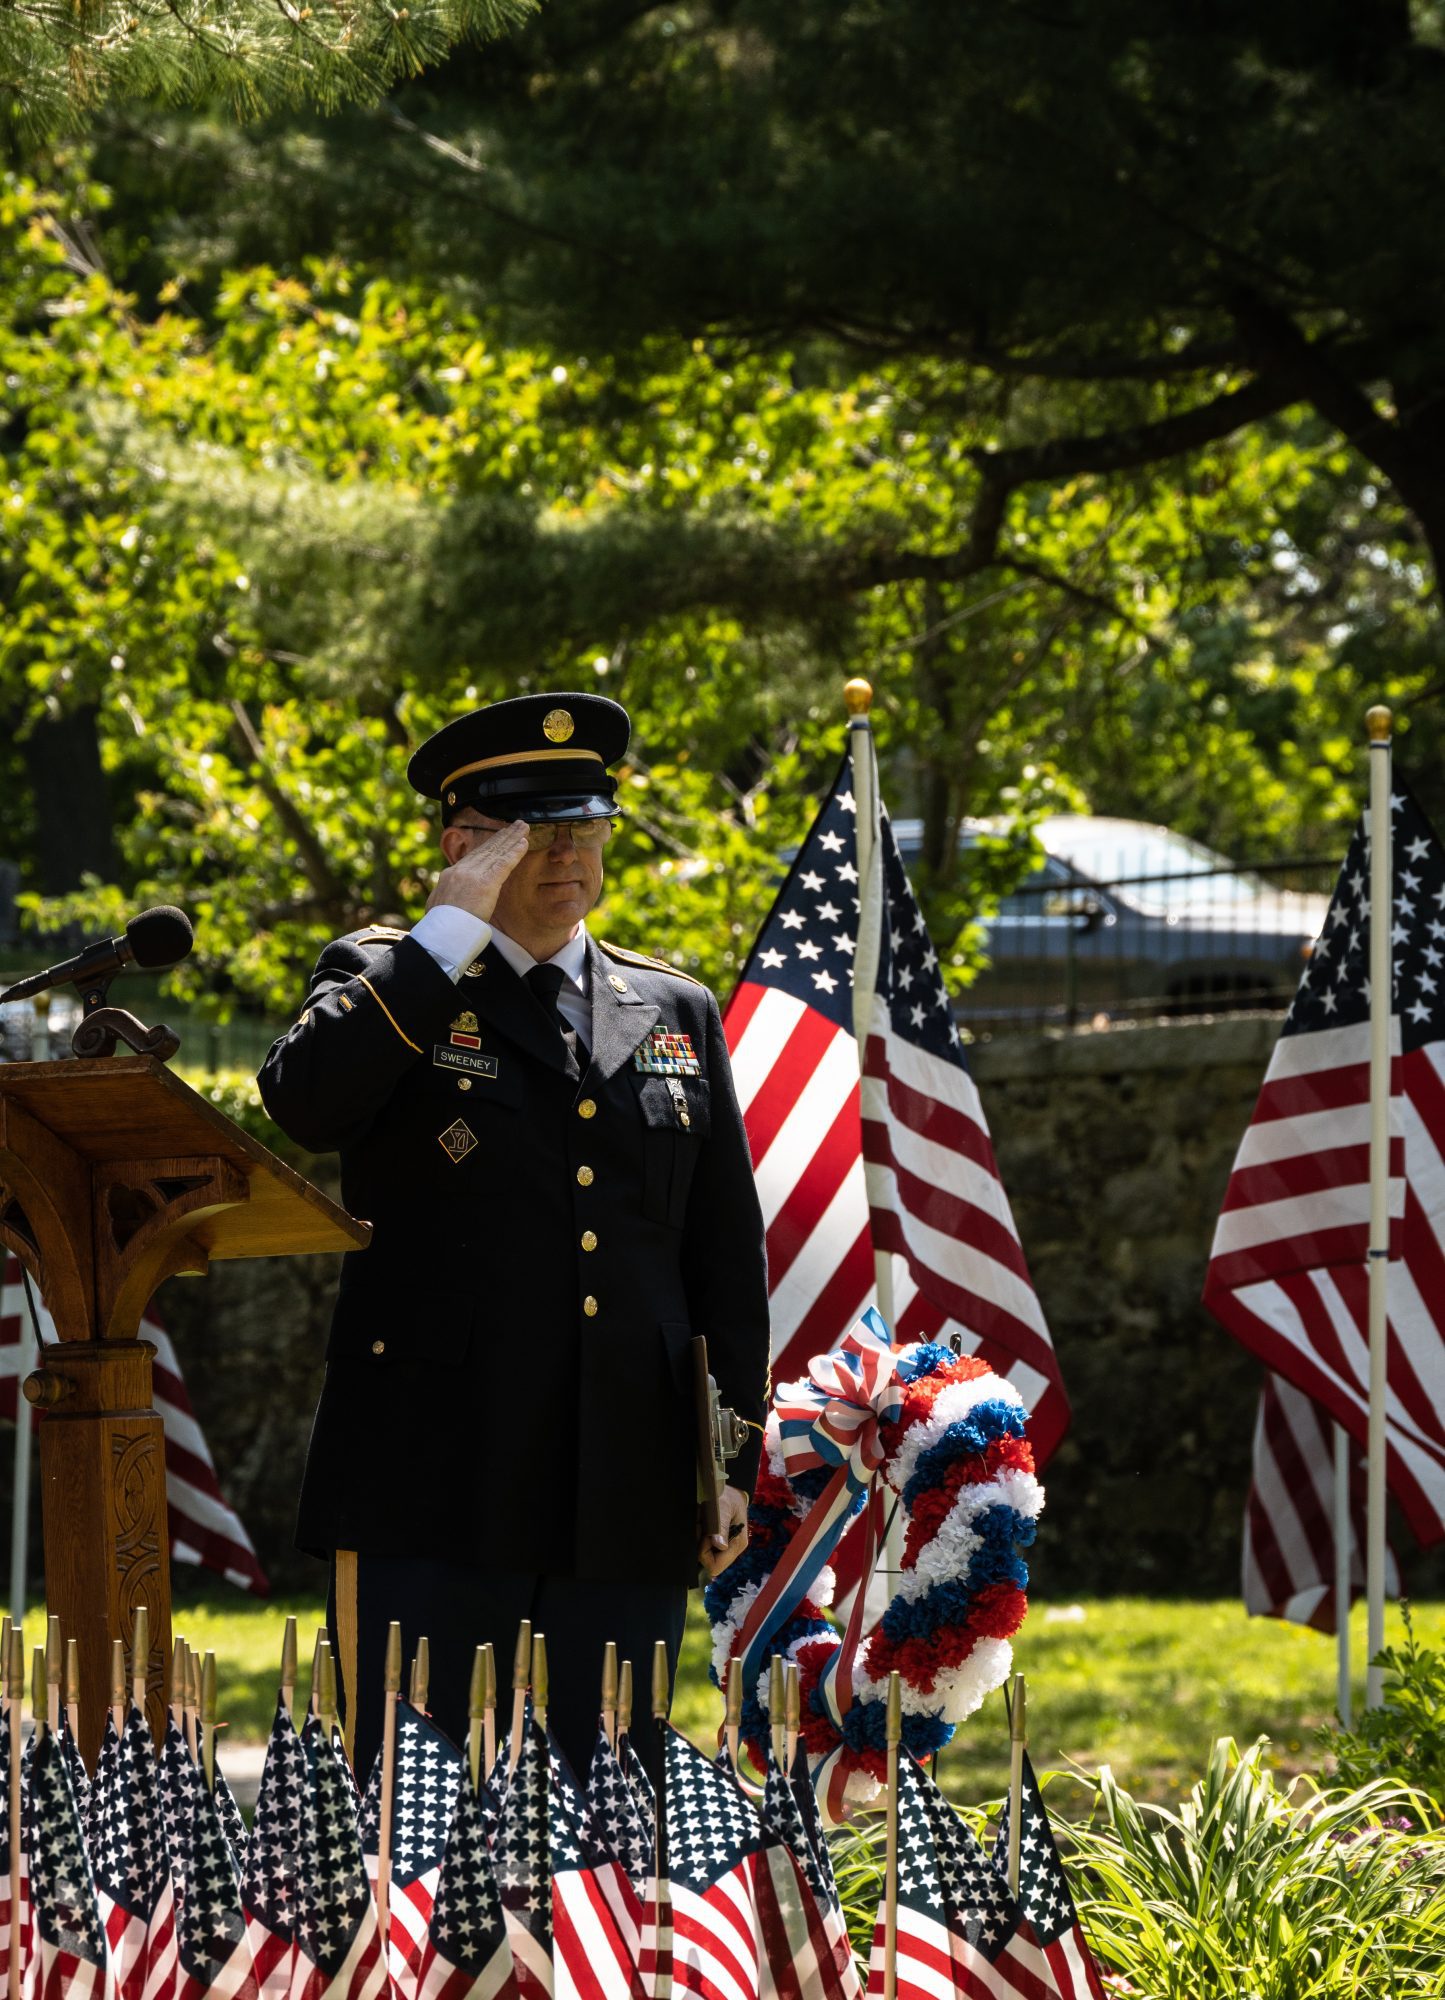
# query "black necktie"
(546, 983)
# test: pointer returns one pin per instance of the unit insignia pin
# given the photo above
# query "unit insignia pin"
(464, 1033)
(457, 1141)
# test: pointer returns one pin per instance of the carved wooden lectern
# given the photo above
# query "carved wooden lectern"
(114, 1174)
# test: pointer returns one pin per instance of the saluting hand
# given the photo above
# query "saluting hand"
(474, 879)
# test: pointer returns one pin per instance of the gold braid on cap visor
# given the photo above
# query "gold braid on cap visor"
(520, 757)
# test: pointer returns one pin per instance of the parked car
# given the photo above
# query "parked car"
(1120, 917)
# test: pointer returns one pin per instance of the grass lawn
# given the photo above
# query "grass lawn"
(1137, 1683)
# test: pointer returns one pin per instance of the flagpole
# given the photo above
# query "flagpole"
(775, 1708)
(890, 1864)
(733, 1713)
(72, 1688)
(609, 1692)
(392, 1684)
(1344, 1537)
(476, 1711)
(14, 1691)
(661, 1898)
(288, 1666)
(1017, 1738)
(117, 1684)
(489, 1706)
(521, 1668)
(1378, 721)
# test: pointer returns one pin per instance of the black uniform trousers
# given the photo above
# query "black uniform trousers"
(458, 1607)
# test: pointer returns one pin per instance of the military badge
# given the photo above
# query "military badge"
(457, 1141)
(667, 1052)
(557, 725)
(463, 1031)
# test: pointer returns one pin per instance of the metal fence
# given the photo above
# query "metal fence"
(1069, 950)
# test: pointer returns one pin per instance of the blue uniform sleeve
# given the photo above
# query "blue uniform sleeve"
(724, 1258)
(374, 1007)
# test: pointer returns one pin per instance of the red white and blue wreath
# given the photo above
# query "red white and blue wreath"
(948, 1436)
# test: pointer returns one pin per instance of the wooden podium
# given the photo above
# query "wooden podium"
(114, 1174)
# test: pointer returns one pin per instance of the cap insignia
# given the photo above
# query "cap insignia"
(557, 725)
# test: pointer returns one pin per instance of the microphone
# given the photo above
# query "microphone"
(153, 942)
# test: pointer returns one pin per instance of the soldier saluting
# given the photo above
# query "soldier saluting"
(542, 1130)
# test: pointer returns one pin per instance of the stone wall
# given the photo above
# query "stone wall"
(1115, 1147)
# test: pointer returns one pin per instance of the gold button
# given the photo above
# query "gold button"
(589, 1239)
(465, 1083)
(378, 1347)
(585, 1177)
(587, 1108)
(589, 1306)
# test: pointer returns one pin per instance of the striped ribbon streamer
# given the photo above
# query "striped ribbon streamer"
(832, 1418)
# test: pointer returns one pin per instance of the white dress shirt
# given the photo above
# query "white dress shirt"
(454, 937)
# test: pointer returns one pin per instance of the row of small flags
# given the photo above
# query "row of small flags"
(490, 1873)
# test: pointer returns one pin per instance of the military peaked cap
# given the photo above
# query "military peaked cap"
(537, 757)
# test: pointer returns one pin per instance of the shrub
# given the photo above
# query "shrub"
(1404, 1738)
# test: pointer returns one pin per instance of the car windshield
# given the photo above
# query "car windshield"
(1161, 871)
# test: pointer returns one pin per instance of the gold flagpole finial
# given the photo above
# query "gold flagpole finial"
(326, 1705)
(522, 1658)
(894, 1725)
(609, 1676)
(117, 1674)
(208, 1719)
(539, 1674)
(421, 1673)
(793, 1699)
(72, 1672)
(15, 1665)
(733, 1710)
(489, 1676)
(858, 696)
(624, 1697)
(391, 1680)
(39, 1705)
(1379, 721)
(661, 1682)
(477, 1693)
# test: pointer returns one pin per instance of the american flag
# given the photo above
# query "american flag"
(204, 1528)
(1288, 1272)
(8, 1862)
(1044, 1897)
(959, 1930)
(596, 1912)
(1289, 1517)
(71, 1960)
(808, 1943)
(907, 1163)
(75, 1765)
(715, 1849)
(427, 1776)
(637, 1778)
(176, 1780)
(283, 1839)
(524, 1868)
(340, 1954)
(132, 1869)
(619, 1817)
(468, 1954)
(233, 1823)
(211, 1927)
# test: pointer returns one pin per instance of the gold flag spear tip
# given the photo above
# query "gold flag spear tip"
(39, 1706)
(117, 1675)
(140, 1656)
(178, 1674)
(421, 1673)
(624, 1698)
(894, 1724)
(661, 1682)
(288, 1662)
(208, 1719)
(1018, 1719)
(326, 1696)
(522, 1658)
(539, 1676)
(775, 1705)
(792, 1698)
(734, 1708)
(391, 1680)
(315, 1697)
(477, 1695)
(858, 696)
(4, 1639)
(1379, 721)
(15, 1665)
(489, 1676)
(609, 1676)
(72, 1676)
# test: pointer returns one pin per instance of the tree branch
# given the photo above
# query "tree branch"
(329, 887)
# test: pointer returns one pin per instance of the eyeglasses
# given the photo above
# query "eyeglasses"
(586, 833)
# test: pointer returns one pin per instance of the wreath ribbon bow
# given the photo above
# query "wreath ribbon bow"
(832, 1418)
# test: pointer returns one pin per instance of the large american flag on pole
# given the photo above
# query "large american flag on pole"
(1288, 1272)
(204, 1528)
(905, 1163)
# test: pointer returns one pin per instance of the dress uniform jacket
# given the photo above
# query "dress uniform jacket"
(509, 1373)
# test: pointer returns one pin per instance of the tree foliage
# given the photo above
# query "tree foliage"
(58, 64)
